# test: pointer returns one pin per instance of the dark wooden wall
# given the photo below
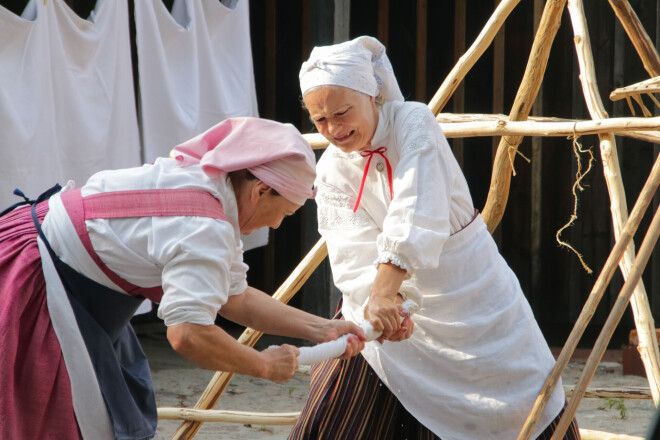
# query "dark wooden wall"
(424, 39)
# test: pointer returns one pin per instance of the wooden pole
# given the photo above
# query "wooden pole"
(462, 126)
(473, 54)
(620, 126)
(227, 416)
(531, 82)
(220, 380)
(640, 39)
(613, 393)
(613, 319)
(629, 229)
(648, 343)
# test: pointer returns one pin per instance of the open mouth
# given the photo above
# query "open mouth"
(344, 138)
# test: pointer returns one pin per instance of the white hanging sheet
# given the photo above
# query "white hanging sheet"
(67, 106)
(195, 67)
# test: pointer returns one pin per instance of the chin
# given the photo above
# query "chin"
(350, 148)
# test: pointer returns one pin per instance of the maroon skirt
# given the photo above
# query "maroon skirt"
(36, 401)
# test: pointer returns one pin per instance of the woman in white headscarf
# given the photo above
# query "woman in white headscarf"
(75, 267)
(398, 218)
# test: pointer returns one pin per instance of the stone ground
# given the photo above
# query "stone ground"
(179, 383)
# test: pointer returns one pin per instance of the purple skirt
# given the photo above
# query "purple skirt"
(36, 400)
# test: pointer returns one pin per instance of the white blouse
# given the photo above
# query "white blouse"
(197, 260)
(477, 359)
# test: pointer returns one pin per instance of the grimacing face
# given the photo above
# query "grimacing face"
(345, 117)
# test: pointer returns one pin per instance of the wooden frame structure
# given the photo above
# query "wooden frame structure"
(512, 128)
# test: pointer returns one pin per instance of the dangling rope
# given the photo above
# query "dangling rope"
(579, 175)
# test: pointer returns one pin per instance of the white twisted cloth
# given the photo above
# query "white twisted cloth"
(332, 349)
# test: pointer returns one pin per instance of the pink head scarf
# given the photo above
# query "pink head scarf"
(275, 153)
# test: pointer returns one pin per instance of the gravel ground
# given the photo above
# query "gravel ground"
(179, 383)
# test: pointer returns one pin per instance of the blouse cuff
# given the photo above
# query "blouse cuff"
(397, 260)
(181, 316)
(238, 287)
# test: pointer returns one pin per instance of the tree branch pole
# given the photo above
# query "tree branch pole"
(648, 343)
(457, 126)
(220, 380)
(640, 39)
(529, 87)
(613, 319)
(465, 63)
(619, 126)
(589, 308)
(228, 416)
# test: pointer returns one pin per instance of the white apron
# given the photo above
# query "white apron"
(477, 359)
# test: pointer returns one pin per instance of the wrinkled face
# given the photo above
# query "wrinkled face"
(260, 207)
(346, 118)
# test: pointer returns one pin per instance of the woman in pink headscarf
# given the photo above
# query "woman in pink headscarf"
(76, 263)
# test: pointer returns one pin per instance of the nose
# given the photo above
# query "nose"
(333, 127)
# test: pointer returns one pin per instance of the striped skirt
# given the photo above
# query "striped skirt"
(347, 400)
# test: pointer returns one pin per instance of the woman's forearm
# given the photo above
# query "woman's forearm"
(256, 309)
(212, 348)
(388, 281)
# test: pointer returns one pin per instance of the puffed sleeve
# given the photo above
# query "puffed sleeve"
(417, 223)
(351, 240)
(201, 269)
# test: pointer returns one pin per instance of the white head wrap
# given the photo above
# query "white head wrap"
(360, 64)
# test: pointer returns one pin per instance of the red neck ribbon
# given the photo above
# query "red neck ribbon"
(370, 154)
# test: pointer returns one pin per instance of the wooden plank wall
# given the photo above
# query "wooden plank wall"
(424, 40)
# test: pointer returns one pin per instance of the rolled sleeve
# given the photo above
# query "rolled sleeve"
(204, 268)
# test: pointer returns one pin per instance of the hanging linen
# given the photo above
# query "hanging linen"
(195, 69)
(67, 105)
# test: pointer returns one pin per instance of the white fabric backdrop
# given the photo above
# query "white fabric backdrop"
(67, 106)
(195, 67)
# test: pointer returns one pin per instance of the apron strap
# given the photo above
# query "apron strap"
(137, 203)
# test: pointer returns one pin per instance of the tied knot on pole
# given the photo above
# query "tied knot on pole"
(512, 150)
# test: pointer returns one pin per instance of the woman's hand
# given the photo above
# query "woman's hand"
(384, 310)
(280, 363)
(384, 315)
(338, 327)
(406, 330)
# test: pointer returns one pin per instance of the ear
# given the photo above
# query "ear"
(258, 190)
